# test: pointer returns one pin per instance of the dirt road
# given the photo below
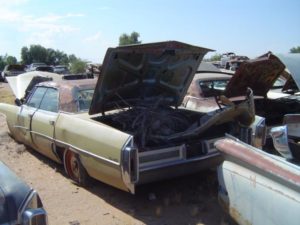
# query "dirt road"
(186, 200)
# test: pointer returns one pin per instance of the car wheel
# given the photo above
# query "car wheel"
(75, 169)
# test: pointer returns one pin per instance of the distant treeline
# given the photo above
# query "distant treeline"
(38, 53)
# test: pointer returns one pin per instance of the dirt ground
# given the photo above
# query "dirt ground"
(186, 200)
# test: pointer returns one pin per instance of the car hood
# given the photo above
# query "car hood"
(20, 83)
(292, 63)
(157, 73)
(259, 74)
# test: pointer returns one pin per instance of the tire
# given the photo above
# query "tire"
(75, 169)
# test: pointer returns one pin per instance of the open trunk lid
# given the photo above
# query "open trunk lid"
(149, 73)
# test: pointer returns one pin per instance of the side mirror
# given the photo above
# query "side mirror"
(18, 102)
(34, 217)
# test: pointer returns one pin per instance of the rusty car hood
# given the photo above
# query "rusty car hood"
(20, 83)
(259, 74)
(156, 73)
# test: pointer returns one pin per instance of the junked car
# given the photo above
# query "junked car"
(12, 70)
(135, 131)
(61, 69)
(49, 69)
(32, 66)
(259, 187)
(19, 203)
(260, 74)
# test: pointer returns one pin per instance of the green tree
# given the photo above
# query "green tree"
(72, 58)
(126, 39)
(295, 50)
(215, 57)
(25, 56)
(61, 58)
(7, 60)
(51, 56)
(2, 62)
(78, 66)
(38, 53)
(11, 60)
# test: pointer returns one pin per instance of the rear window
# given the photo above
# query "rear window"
(213, 88)
(84, 99)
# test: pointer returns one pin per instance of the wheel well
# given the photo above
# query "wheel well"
(60, 152)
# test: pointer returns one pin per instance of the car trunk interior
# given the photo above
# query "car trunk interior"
(165, 129)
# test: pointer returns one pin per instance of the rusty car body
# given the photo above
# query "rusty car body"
(204, 89)
(257, 187)
(260, 75)
(135, 131)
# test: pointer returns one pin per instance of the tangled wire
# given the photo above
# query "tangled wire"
(144, 123)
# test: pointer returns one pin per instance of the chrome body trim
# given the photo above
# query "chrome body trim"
(259, 132)
(130, 165)
(21, 127)
(86, 153)
(25, 203)
(179, 161)
(43, 135)
(33, 217)
(280, 140)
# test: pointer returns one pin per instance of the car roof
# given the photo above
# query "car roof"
(68, 90)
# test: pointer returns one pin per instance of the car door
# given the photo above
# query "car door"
(43, 123)
(26, 113)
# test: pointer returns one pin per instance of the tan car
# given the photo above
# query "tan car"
(135, 131)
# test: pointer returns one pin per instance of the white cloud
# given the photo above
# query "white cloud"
(43, 29)
(9, 16)
(6, 3)
(94, 37)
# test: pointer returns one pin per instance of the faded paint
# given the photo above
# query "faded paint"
(259, 159)
(256, 187)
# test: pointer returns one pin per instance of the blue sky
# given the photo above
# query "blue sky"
(88, 27)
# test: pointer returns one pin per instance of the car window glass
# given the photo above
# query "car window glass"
(213, 87)
(50, 100)
(36, 98)
(84, 98)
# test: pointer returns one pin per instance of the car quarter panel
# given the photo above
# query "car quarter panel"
(11, 114)
(99, 146)
(256, 187)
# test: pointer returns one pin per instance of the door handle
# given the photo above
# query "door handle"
(52, 123)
